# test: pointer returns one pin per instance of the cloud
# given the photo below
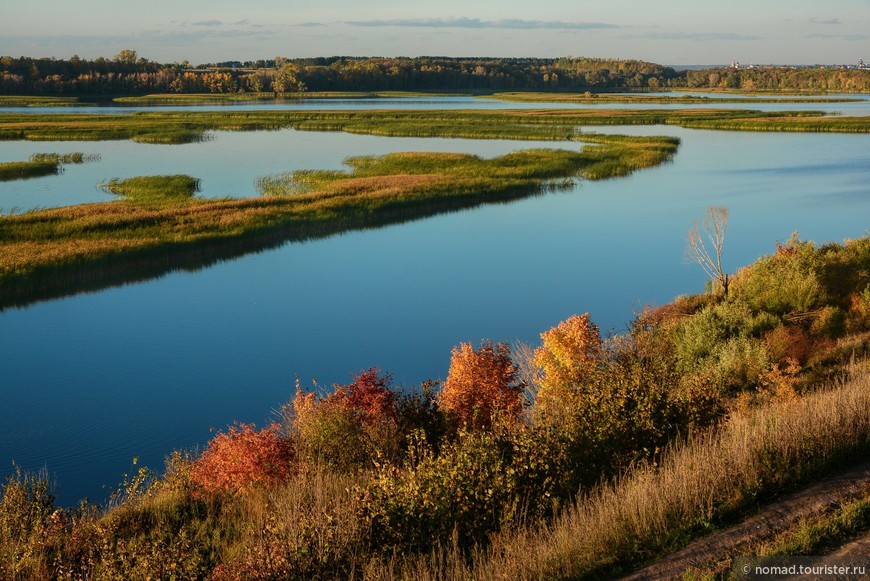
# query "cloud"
(825, 21)
(207, 23)
(700, 36)
(310, 24)
(847, 37)
(478, 23)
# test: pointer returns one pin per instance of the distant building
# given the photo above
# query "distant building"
(735, 64)
(862, 64)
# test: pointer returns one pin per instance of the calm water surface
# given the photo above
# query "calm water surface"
(92, 380)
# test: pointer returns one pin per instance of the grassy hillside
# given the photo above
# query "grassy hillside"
(580, 457)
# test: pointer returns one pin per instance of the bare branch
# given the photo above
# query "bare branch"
(705, 244)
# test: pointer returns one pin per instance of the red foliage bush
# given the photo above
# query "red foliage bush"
(369, 395)
(243, 458)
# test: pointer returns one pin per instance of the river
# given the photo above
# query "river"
(92, 380)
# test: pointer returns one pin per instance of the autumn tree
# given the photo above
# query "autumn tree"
(286, 80)
(568, 359)
(126, 56)
(705, 244)
(482, 385)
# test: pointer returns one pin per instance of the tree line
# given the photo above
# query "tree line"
(128, 74)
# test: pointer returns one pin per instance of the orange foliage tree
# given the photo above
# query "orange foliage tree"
(243, 458)
(482, 385)
(569, 358)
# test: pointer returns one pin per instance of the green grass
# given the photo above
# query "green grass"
(65, 158)
(634, 98)
(154, 189)
(42, 164)
(817, 535)
(21, 170)
(195, 98)
(31, 101)
(545, 125)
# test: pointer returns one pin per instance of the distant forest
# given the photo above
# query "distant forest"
(126, 74)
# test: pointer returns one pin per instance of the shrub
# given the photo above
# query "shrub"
(830, 321)
(789, 341)
(242, 458)
(785, 282)
(478, 484)
(482, 387)
(721, 342)
(350, 427)
(419, 412)
(858, 317)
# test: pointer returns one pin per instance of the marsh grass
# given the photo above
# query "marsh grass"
(33, 101)
(66, 158)
(21, 170)
(195, 98)
(154, 189)
(41, 164)
(546, 125)
(603, 98)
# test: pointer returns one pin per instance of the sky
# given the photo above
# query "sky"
(663, 31)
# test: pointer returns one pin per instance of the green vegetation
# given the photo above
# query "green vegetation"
(813, 536)
(20, 170)
(195, 98)
(160, 226)
(153, 189)
(604, 98)
(41, 164)
(35, 101)
(376, 483)
(547, 125)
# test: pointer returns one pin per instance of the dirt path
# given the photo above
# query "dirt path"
(855, 552)
(716, 551)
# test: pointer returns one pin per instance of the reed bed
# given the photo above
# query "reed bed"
(21, 170)
(42, 164)
(656, 509)
(194, 98)
(599, 98)
(550, 125)
(66, 158)
(154, 188)
(33, 101)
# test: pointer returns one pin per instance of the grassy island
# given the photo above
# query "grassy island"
(41, 164)
(533, 124)
(159, 225)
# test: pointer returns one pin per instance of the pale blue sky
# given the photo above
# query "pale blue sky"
(663, 31)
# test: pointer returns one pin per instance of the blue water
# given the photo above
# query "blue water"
(90, 381)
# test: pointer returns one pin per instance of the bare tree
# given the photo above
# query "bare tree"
(705, 245)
